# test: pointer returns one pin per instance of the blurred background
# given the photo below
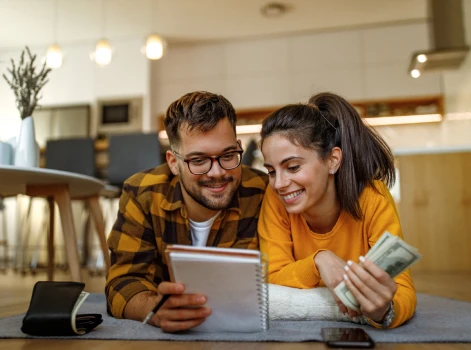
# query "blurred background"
(404, 64)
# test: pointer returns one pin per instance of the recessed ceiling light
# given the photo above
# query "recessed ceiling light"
(415, 73)
(422, 58)
(273, 9)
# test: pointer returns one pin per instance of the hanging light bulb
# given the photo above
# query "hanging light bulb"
(155, 47)
(54, 57)
(102, 54)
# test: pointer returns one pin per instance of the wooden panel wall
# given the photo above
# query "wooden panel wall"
(435, 209)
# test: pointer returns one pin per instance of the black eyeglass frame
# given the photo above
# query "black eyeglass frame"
(212, 158)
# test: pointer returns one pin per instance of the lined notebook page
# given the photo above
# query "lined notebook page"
(233, 285)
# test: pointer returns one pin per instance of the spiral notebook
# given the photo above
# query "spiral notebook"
(233, 280)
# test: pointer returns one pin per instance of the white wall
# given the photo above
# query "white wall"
(359, 64)
(80, 80)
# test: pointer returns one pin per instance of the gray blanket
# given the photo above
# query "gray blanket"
(436, 320)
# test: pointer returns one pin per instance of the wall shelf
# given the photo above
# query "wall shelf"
(381, 108)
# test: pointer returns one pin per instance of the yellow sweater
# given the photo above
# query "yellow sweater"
(291, 246)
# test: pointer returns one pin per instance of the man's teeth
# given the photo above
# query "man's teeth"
(291, 195)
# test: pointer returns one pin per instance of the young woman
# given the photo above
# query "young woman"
(327, 205)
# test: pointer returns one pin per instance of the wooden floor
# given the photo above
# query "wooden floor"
(15, 293)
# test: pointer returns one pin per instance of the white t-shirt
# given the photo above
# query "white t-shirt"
(200, 231)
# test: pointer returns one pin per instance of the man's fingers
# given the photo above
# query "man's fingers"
(172, 326)
(183, 314)
(185, 300)
(170, 288)
(177, 299)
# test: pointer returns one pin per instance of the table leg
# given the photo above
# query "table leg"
(62, 199)
(97, 217)
(23, 231)
(61, 195)
(50, 240)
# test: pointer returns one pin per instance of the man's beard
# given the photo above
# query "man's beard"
(217, 201)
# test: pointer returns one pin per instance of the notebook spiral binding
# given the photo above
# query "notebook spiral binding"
(262, 279)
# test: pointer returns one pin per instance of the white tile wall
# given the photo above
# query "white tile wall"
(172, 91)
(393, 80)
(358, 64)
(326, 51)
(394, 44)
(75, 81)
(189, 62)
(345, 81)
(256, 57)
(127, 76)
(361, 64)
(258, 91)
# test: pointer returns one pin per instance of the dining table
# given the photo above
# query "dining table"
(59, 187)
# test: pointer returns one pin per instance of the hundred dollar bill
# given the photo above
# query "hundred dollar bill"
(347, 298)
(83, 295)
(378, 247)
(392, 254)
(397, 257)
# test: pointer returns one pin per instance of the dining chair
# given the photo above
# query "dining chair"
(249, 154)
(128, 154)
(131, 153)
(4, 258)
(76, 155)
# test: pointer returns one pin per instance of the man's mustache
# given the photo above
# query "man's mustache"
(221, 181)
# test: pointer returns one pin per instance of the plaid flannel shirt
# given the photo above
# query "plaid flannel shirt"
(152, 214)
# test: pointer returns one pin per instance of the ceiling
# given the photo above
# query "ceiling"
(67, 22)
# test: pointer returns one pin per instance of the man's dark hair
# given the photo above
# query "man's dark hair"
(198, 110)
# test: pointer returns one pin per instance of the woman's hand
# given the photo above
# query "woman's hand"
(331, 268)
(371, 286)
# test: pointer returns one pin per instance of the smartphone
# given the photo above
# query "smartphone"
(347, 338)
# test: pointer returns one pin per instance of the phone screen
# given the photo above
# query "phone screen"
(347, 337)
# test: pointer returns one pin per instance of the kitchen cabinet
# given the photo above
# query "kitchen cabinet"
(435, 206)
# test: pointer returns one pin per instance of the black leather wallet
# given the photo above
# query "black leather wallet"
(53, 310)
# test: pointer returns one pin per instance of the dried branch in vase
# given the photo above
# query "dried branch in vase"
(26, 83)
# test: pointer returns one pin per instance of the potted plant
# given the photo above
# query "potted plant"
(26, 83)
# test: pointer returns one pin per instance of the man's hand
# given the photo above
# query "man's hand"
(180, 312)
(331, 269)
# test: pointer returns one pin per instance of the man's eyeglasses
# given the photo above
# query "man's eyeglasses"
(202, 164)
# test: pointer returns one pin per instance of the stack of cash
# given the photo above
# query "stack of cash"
(391, 254)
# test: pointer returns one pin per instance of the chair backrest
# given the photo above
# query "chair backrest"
(131, 153)
(249, 156)
(76, 155)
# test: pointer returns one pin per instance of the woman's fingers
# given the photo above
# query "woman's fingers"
(372, 287)
(343, 309)
(373, 290)
(381, 277)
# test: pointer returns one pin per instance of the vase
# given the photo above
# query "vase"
(26, 150)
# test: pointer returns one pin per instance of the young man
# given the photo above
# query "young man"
(202, 196)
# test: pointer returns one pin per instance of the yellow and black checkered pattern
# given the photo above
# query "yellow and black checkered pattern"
(152, 214)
